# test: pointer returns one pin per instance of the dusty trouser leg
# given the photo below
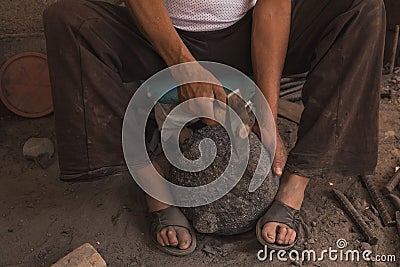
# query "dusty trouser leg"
(341, 44)
(92, 48)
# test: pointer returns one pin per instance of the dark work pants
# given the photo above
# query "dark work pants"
(94, 47)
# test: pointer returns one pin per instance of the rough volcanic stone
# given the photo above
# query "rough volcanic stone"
(239, 210)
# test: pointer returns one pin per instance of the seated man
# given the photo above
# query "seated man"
(94, 47)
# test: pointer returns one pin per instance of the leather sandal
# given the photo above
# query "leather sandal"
(171, 216)
(280, 213)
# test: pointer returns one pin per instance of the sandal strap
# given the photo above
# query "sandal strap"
(282, 213)
(171, 216)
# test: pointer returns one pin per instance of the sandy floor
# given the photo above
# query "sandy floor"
(42, 219)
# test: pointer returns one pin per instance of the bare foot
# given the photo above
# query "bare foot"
(291, 192)
(173, 236)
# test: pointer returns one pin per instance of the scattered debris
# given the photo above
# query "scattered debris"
(391, 185)
(378, 201)
(84, 256)
(356, 217)
(214, 251)
(40, 150)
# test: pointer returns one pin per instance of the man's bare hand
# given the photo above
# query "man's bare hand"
(212, 90)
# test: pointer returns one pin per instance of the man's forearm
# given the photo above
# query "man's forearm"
(152, 19)
(270, 36)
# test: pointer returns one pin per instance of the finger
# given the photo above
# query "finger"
(163, 234)
(210, 122)
(279, 159)
(171, 233)
(219, 93)
(206, 109)
(282, 230)
(277, 168)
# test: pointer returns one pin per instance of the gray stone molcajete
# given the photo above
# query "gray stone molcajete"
(239, 210)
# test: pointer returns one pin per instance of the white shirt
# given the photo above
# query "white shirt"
(207, 15)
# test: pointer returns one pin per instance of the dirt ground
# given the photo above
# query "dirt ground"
(42, 218)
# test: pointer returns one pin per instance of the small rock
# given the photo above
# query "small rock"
(314, 224)
(35, 147)
(86, 255)
(40, 150)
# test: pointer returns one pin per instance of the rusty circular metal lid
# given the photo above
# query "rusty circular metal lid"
(25, 85)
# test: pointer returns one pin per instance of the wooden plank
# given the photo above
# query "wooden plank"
(290, 110)
(84, 256)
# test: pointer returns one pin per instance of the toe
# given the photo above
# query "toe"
(282, 231)
(163, 234)
(160, 240)
(288, 236)
(184, 237)
(269, 232)
(293, 237)
(172, 238)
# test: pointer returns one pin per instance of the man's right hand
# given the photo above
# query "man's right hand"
(212, 90)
